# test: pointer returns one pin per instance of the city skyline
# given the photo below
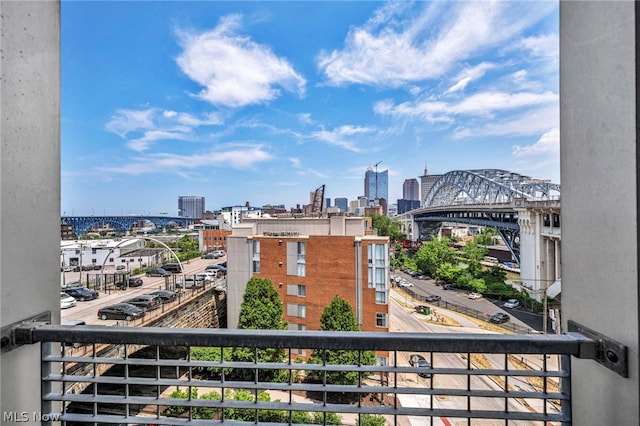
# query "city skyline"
(306, 95)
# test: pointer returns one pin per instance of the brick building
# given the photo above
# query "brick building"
(212, 235)
(310, 260)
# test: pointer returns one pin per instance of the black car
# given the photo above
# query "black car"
(499, 318)
(129, 282)
(145, 301)
(433, 298)
(172, 267)
(81, 293)
(209, 256)
(219, 268)
(418, 361)
(134, 281)
(158, 272)
(123, 311)
(165, 295)
(448, 286)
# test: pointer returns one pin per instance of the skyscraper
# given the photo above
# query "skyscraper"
(342, 204)
(410, 189)
(426, 183)
(376, 185)
(191, 206)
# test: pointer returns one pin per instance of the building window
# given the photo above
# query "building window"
(256, 256)
(381, 319)
(381, 297)
(297, 327)
(377, 266)
(296, 258)
(295, 310)
(296, 290)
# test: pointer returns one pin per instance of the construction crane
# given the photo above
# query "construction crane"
(376, 169)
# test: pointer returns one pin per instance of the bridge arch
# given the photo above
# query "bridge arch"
(487, 186)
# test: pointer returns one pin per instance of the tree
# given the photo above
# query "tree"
(371, 420)
(448, 273)
(474, 254)
(339, 316)
(486, 237)
(261, 309)
(432, 254)
(387, 227)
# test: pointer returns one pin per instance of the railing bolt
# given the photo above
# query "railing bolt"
(5, 341)
(611, 356)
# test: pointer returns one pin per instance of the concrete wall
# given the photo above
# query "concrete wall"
(30, 185)
(599, 164)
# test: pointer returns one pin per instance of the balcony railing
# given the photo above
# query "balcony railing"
(99, 375)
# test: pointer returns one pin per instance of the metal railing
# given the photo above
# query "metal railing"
(133, 375)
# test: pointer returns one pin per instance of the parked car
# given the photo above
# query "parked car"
(419, 361)
(499, 318)
(209, 256)
(433, 298)
(172, 267)
(135, 281)
(190, 281)
(81, 293)
(165, 295)
(219, 253)
(206, 277)
(216, 266)
(212, 274)
(67, 301)
(405, 283)
(474, 295)
(71, 284)
(123, 311)
(157, 272)
(129, 282)
(120, 267)
(448, 286)
(511, 303)
(147, 302)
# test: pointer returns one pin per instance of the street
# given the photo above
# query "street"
(404, 318)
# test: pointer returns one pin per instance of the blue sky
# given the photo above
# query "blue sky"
(263, 102)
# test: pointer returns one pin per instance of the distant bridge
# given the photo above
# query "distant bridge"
(487, 186)
(123, 223)
(524, 211)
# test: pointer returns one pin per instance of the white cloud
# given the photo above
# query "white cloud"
(544, 46)
(125, 121)
(144, 142)
(305, 118)
(240, 156)
(295, 162)
(342, 136)
(531, 122)
(400, 45)
(549, 143)
(468, 75)
(480, 104)
(234, 70)
(152, 125)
